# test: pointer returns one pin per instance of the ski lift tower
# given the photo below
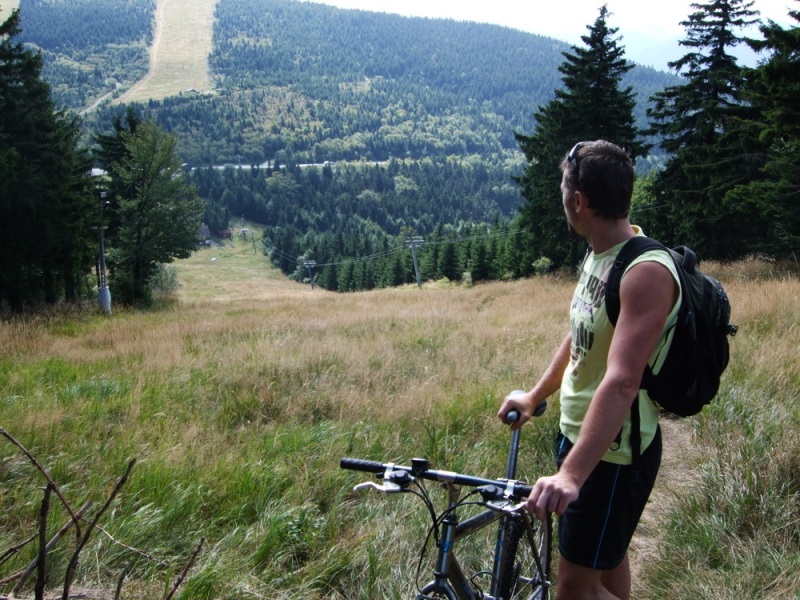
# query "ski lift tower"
(310, 264)
(414, 243)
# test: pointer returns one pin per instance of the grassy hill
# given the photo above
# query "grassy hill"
(238, 402)
(232, 270)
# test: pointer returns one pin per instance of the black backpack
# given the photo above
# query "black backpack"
(689, 378)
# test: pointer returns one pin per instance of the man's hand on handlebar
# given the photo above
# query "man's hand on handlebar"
(523, 403)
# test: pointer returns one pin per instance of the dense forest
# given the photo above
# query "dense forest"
(358, 216)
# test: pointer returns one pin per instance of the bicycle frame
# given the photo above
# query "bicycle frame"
(448, 571)
(450, 580)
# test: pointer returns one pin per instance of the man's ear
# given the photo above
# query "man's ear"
(581, 201)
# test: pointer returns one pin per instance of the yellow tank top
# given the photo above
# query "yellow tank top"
(591, 338)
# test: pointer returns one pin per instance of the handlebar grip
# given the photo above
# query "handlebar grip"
(357, 464)
(513, 414)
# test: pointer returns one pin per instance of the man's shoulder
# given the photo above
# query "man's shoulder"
(644, 268)
(657, 261)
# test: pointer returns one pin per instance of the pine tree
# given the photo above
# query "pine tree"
(45, 197)
(768, 203)
(696, 121)
(590, 106)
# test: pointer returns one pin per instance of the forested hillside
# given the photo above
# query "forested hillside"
(90, 47)
(316, 82)
(353, 219)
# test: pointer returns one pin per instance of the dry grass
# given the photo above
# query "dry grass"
(182, 42)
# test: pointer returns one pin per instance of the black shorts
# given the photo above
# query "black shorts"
(597, 528)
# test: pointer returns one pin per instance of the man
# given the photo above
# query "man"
(598, 493)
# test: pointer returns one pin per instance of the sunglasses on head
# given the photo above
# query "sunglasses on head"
(572, 157)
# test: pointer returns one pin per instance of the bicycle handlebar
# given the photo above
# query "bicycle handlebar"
(512, 488)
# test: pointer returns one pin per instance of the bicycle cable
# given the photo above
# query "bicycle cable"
(426, 499)
(437, 520)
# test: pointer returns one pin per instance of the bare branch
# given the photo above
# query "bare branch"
(46, 476)
(41, 559)
(120, 580)
(73, 563)
(22, 576)
(185, 570)
(12, 551)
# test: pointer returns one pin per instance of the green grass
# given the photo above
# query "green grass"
(239, 401)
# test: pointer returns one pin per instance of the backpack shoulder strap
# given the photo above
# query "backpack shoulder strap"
(633, 248)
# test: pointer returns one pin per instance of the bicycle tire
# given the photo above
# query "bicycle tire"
(519, 575)
(434, 591)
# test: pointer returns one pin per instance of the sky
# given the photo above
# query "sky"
(649, 28)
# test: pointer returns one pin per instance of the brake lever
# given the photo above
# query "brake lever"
(514, 508)
(504, 506)
(387, 487)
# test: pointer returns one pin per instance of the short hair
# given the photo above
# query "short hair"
(604, 173)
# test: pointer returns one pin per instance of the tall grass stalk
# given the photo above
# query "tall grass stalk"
(239, 403)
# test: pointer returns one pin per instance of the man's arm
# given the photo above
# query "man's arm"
(647, 294)
(548, 384)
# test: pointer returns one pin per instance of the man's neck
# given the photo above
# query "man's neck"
(606, 234)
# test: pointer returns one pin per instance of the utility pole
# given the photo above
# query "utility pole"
(103, 293)
(310, 264)
(414, 243)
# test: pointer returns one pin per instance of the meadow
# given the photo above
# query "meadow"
(238, 399)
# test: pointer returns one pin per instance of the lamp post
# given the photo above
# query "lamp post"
(103, 293)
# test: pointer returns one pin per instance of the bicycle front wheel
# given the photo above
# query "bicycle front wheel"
(526, 569)
(435, 591)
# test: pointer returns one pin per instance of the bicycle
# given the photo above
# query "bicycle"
(522, 555)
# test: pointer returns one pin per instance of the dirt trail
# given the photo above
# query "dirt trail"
(676, 476)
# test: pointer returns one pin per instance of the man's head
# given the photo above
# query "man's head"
(604, 173)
